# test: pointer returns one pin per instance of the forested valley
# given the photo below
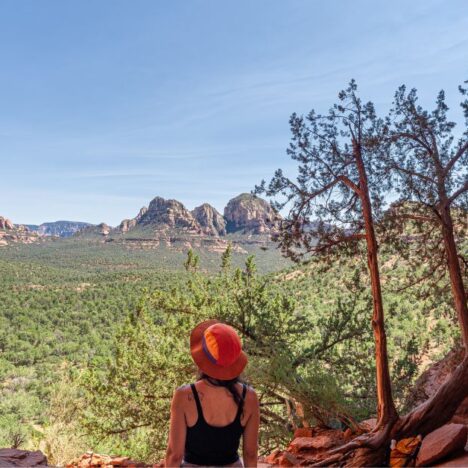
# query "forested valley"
(361, 289)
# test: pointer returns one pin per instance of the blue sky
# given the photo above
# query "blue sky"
(106, 104)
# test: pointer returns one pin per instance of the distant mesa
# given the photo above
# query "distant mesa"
(58, 228)
(101, 229)
(245, 214)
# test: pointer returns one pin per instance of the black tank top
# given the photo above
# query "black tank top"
(210, 445)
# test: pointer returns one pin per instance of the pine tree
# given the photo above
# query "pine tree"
(341, 183)
(348, 160)
(431, 176)
(192, 261)
(226, 258)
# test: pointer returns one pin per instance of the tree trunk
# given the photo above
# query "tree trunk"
(439, 409)
(387, 413)
(456, 279)
(367, 457)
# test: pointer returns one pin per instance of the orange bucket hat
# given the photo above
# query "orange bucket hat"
(217, 350)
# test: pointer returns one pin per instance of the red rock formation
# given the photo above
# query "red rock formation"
(10, 457)
(249, 214)
(444, 441)
(306, 450)
(245, 214)
(6, 224)
(444, 444)
(368, 424)
(11, 233)
(104, 461)
(460, 461)
(210, 220)
(430, 381)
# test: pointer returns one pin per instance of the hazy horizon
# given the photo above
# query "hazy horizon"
(106, 105)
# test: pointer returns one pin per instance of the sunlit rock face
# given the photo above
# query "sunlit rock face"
(249, 214)
(244, 214)
(11, 233)
(163, 214)
(6, 224)
(210, 220)
(170, 213)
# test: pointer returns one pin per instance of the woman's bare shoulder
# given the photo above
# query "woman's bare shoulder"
(251, 396)
(184, 389)
(183, 393)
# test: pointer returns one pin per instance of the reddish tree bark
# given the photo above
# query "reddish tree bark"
(324, 164)
(456, 278)
(386, 408)
(439, 409)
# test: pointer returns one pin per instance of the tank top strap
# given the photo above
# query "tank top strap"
(197, 401)
(241, 404)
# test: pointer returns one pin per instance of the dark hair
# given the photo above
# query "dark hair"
(229, 384)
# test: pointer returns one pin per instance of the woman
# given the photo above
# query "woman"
(209, 416)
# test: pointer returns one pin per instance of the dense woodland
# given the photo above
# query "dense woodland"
(94, 339)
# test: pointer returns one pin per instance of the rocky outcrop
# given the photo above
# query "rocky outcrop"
(163, 214)
(244, 214)
(169, 214)
(309, 449)
(210, 220)
(312, 445)
(10, 457)
(128, 224)
(459, 461)
(444, 441)
(368, 424)
(247, 213)
(104, 461)
(101, 230)
(15, 233)
(430, 381)
(6, 224)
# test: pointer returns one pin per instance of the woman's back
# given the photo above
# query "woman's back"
(217, 422)
(218, 405)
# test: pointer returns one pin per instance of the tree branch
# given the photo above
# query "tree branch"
(355, 188)
(455, 195)
(423, 278)
(457, 156)
(412, 173)
(417, 218)
(341, 240)
(410, 136)
(121, 431)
